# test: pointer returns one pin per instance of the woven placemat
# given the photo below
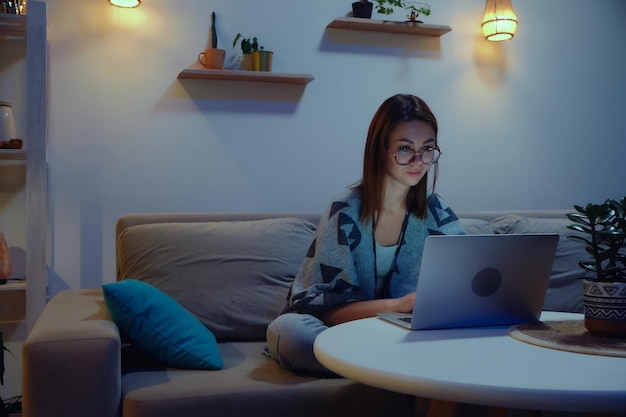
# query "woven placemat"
(569, 335)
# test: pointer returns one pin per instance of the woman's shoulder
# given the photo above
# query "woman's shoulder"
(442, 217)
(436, 201)
(348, 201)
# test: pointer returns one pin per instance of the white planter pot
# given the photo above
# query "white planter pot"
(7, 122)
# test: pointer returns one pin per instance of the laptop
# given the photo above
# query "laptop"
(480, 280)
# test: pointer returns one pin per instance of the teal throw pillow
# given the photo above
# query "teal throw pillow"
(160, 326)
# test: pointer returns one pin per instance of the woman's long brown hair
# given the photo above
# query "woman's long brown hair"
(395, 110)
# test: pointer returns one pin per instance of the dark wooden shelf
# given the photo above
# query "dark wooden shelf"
(388, 26)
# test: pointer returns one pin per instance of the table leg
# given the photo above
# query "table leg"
(425, 407)
(498, 412)
(421, 406)
(441, 408)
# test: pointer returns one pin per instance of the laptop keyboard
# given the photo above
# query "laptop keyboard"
(405, 319)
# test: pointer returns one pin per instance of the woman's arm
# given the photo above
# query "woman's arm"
(369, 308)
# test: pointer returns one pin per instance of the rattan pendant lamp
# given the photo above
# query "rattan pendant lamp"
(499, 20)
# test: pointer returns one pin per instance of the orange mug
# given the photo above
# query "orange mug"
(212, 58)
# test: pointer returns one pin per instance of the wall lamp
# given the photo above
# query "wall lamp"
(125, 3)
(499, 20)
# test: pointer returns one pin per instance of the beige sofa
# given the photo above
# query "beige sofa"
(232, 272)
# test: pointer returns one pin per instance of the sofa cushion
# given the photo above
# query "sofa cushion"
(252, 384)
(565, 287)
(160, 326)
(476, 226)
(233, 276)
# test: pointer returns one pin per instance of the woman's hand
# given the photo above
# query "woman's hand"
(405, 304)
(369, 308)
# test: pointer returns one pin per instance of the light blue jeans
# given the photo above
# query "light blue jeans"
(290, 340)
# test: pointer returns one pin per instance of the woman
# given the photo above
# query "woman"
(367, 251)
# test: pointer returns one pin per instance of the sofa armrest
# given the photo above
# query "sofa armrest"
(71, 360)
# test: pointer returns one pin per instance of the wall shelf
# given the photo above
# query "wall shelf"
(13, 286)
(12, 154)
(250, 76)
(388, 26)
(12, 25)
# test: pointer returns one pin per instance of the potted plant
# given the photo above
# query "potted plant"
(213, 56)
(413, 7)
(603, 228)
(255, 57)
(362, 8)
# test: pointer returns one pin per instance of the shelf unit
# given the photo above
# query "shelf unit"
(249, 76)
(32, 27)
(388, 26)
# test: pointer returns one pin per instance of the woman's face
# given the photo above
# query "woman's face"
(406, 137)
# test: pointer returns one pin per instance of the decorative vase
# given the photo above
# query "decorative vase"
(5, 260)
(362, 9)
(7, 122)
(262, 60)
(605, 308)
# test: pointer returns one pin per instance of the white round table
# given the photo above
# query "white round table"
(483, 366)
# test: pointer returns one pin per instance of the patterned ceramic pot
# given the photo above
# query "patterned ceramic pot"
(605, 308)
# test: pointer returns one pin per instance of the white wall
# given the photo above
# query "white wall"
(534, 123)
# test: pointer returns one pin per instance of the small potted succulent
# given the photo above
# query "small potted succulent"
(213, 57)
(255, 57)
(602, 229)
(413, 7)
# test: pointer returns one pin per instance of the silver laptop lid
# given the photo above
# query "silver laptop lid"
(483, 280)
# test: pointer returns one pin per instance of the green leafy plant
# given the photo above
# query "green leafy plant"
(387, 6)
(248, 45)
(213, 32)
(605, 227)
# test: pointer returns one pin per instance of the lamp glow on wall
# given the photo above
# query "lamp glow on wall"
(499, 20)
(125, 3)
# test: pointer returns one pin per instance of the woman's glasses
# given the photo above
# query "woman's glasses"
(428, 155)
